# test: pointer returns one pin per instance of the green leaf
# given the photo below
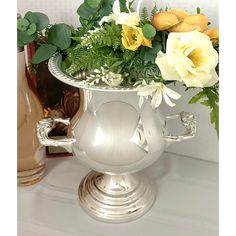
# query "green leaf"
(43, 53)
(215, 119)
(24, 38)
(150, 54)
(197, 97)
(42, 21)
(106, 7)
(32, 29)
(149, 31)
(60, 36)
(86, 12)
(206, 103)
(93, 3)
(31, 17)
(22, 24)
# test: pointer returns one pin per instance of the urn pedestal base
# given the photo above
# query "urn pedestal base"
(116, 198)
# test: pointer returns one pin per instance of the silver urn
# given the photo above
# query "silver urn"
(117, 139)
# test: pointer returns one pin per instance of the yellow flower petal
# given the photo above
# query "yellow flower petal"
(147, 42)
(133, 38)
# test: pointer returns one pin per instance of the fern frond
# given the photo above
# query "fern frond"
(154, 10)
(144, 14)
(108, 35)
(90, 59)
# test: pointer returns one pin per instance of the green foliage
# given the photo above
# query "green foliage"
(86, 12)
(144, 14)
(23, 38)
(149, 31)
(31, 27)
(93, 3)
(108, 35)
(84, 59)
(154, 10)
(42, 21)
(210, 97)
(22, 24)
(149, 54)
(44, 52)
(60, 36)
(91, 13)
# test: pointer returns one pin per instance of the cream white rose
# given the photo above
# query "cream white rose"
(191, 58)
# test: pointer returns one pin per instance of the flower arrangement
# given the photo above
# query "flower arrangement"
(126, 47)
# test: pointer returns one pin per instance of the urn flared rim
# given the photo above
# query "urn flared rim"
(54, 66)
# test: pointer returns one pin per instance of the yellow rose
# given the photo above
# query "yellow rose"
(191, 58)
(133, 38)
(177, 20)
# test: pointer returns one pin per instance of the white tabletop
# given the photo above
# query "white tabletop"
(186, 205)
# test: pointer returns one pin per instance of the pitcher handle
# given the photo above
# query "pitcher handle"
(45, 125)
(188, 121)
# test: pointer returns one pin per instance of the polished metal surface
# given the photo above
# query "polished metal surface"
(44, 127)
(116, 138)
(188, 121)
(116, 198)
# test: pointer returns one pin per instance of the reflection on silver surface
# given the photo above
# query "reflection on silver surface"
(139, 137)
(116, 198)
(116, 139)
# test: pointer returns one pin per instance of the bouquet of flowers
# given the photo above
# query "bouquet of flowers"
(123, 46)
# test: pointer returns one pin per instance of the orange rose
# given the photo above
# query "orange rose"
(213, 34)
(177, 20)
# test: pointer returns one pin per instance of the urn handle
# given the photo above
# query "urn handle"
(45, 125)
(188, 121)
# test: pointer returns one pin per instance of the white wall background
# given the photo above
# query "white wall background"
(205, 144)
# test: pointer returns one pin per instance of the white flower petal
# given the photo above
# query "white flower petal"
(157, 99)
(214, 79)
(171, 93)
(167, 71)
(106, 19)
(140, 103)
(116, 7)
(138, 6)
(167, 100)
(146, 90)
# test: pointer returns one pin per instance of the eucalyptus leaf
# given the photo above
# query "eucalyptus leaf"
(31, 17)
(43, 53)
(22, 24)
(106, 7)
(93, 3)
(42, 21)
(60, 36)
(24, 38)
(86, 12)
(150, 54)
(32, 29)
(149, 31)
